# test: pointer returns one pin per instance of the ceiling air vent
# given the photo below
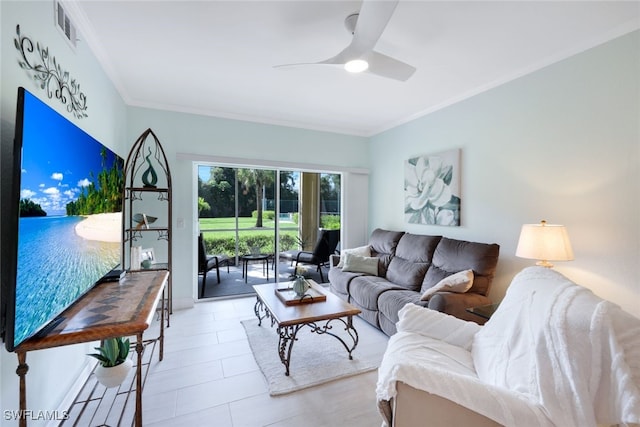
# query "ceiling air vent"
(64, 24)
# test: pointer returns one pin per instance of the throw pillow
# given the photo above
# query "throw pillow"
(459, 282)
(360, 264)
(360, 251)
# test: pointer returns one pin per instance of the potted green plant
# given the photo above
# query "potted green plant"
(114, 364)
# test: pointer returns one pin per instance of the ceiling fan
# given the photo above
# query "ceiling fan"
(367, 27)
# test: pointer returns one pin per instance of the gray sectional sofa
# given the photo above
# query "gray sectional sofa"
(409, 264)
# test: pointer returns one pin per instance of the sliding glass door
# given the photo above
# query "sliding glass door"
(244, 211)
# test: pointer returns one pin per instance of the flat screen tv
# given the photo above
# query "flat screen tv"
(64, 214)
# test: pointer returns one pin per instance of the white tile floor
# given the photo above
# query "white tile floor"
(209, 378)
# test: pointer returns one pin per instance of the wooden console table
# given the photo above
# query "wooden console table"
(109, 310)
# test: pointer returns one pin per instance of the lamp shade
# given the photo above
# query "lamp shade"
(544, 242)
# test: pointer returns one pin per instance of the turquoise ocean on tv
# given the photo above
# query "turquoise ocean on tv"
(55, 267)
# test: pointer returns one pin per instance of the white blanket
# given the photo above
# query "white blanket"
(552, 355)
(565, 348)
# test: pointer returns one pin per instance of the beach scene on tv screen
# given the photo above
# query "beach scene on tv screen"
(70, 216)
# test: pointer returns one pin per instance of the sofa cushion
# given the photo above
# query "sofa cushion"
(390, 303)
(407, 274)
(360, 251)
(384, 241)
(365, 290)
(339, 280)
(459, 282)
(360, 264)
(412, 259)
(452, 256)
(417, 247)
(383, 245)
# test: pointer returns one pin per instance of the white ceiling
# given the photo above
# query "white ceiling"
(216, 58)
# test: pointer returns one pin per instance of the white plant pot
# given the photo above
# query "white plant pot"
(115, 375)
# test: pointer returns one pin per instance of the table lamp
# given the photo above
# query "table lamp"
(544, 242)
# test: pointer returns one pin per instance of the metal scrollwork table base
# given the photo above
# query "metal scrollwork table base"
(320, 317)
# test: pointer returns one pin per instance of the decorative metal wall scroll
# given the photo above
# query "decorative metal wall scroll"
(52, 79)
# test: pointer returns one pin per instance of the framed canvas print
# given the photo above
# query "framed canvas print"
(432, 189)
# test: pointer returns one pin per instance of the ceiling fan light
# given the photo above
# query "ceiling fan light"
(356, 65)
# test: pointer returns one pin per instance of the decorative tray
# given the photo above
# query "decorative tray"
(289, 297)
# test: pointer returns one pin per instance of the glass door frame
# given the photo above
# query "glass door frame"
(277, 169)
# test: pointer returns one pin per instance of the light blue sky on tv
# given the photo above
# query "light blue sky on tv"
(57, 158)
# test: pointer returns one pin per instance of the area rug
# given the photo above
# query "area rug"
(315, 359)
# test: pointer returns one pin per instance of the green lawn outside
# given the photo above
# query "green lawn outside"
(224, 241)
(243, 223)
(218, 242)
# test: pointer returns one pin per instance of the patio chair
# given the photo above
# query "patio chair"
(325, 247)
(207, 263)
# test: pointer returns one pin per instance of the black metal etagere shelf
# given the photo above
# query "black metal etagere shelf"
(148, 180)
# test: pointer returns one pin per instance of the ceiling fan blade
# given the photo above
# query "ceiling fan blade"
(379, 64)
(339, 59)
(342, 57)
(297, 64)
(386, 66)
(372, 20)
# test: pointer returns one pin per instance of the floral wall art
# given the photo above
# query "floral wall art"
(432, 189)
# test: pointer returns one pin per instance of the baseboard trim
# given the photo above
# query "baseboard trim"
(182, 303)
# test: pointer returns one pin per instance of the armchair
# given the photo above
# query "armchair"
(325, 247)
(552, 355)
(207, 263)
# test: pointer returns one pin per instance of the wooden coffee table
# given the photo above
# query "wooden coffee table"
(319, 316)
